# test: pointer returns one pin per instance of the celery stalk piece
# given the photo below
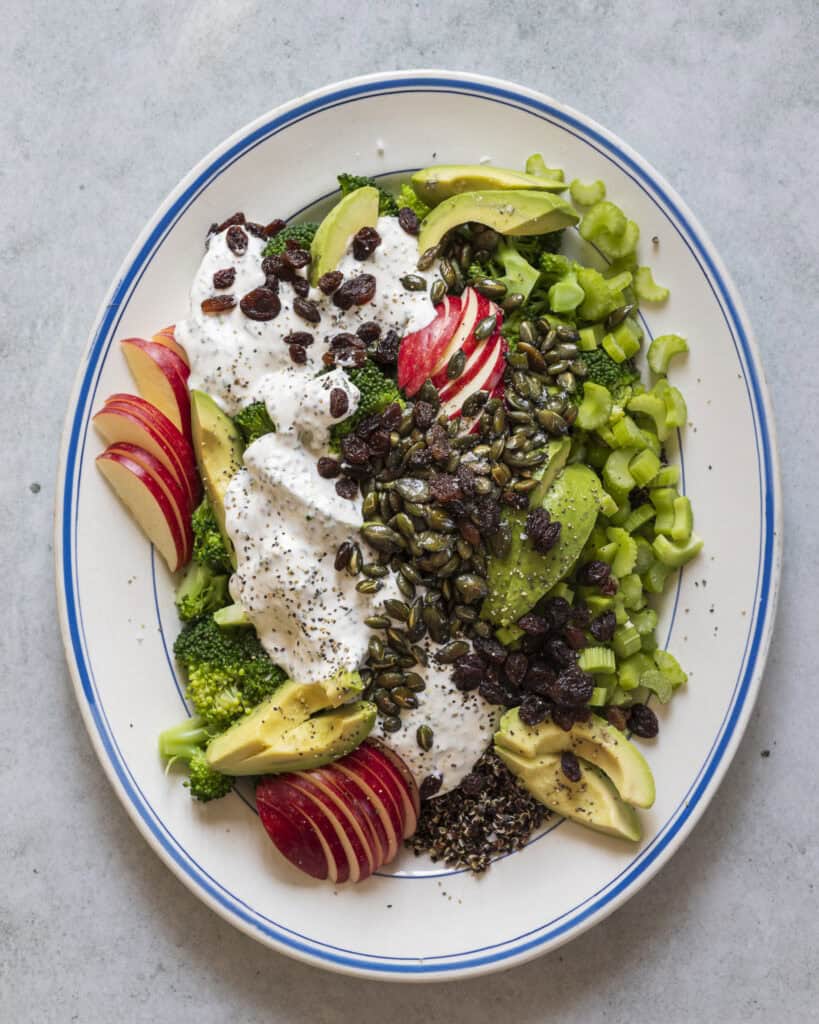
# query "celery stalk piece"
(587, 194)
(653, 406)
(654, 578)
(623, 562)
(599, 697)
(617, 479)
(631, 587)
(658, 683)
(645, 553)
(596, 660)
(675, 555)
(683, 520)
(644, 467)
(566, 294)
(536, 165)
(645, 621)
(663, 349)
(595, 408)
(590, 337)
(668, 476)
(670, 667)
(639, 517)
(602, 217)
(645, 286)
(662, 498)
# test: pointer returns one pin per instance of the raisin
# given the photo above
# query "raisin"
(328, 467)
(542, 532)
(489, 648)
(575, 638)
(438, 443)
(643, 722)
(274, 266)
(379, 444)
(274, 227)
(260, 304)
(306, 309)
(355, 450)
(368, 425)
(609, 586)
(328, 282)
(365, 242)
(515, 668)
(534, 710)
(391, 416)
(298, 353)
(470, 532)
(495, 692)
(486, 515)
(617, 717)
(296, 258)
(257, 230)
(560, 652)
(369, 331)
(638, 496)
(592, 574)
(301, 286)
(472, 784)
(534, 625)
(236, 218)
(346, 488)
(563, 717)
(408, 219)
(423, 415)
(419, 459)
(357, 291)
(570, 766)
(466, 479)
(444, 488)
(514, 499)
(339, 403)
(356, 357)
(602, 628)
(236, 240)
(272, 282)
(469, 672)
(344, 340)
(539, 678)
(386, 350)
(224, 278)
(218, 304)
(556, 611)
(304, 338)
(572, 687)
(430, 785)
(580, 616)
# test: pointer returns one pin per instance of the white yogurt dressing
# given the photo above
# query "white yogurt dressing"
(286, 522)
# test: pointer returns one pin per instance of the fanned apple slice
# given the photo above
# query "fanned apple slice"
(474, 307)
(161, 378)
(420, 350)
(384, 761)
(359, 804)
(293, 834)
(147, 502)
(167, 337)
(380, 795)
(489, 375)
(359, 852)
(356, 827)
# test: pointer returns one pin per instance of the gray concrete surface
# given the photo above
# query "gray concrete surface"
(104, 107)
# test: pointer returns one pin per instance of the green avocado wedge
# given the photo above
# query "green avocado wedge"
(218, 448)
(595, 741)
(434, 184)
(519, 579)
(593, 801)
(510, 212)
(301, 726)
(357, 210)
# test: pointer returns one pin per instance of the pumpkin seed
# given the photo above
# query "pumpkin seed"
(381, 537)
(486, 327)
(524, 486)
(414, 283)
(549, 340)
(473, 405)
(501, 474)
(483, 486)
(397, 641)
(375, 648)
(617, 316)
(482, 628)
(567, 381)
(566, 350)
(447, 272)
(410, 574)
(501, 540)
(424, 737)
(377, 622)
(536, 360)
(464, 613)
(486, 238)
(524, 460)
(489, 287)
(354, 564)
(428, 257)
(407, 422)
(368, 586)
(558, 366)
(421, 655)
(410, 488)
(404, 697)
(384, 702)
(552, 421)
(449, 567)
(566, 333)
(413, 616)
(392, 723)
(471, 588)
(570, 415)
(374, 571)
(438, 520)
(396, 609)
(402, 522)
(456, 365)
(466, 256)
(387, 680)
(453, 650)
(429, 393)
(434, 622)
(437, 292)
(369, 507)
(499, 420)
(579, 367)
(345, 550)
(406, 588)
(517, 360)
(528, 334)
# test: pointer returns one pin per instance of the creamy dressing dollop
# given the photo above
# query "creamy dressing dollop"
(287, 522)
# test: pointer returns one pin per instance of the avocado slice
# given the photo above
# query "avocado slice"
(557, 455)
(593, 801)
(302, 725)
(355, 211)
(595, 741)
(434, 184)
(218, 448)
(511, 212)
(519, 579)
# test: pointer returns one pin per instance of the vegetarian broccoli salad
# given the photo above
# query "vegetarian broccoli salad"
(415, 480)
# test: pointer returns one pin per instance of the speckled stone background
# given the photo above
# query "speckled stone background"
(103, 107)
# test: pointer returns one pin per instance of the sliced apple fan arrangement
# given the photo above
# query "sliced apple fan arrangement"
(514, 515)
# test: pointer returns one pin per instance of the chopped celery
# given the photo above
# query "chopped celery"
(658, 683)
(662, 349)
(662, 498)
(596, 660)
(566, 294)
(627, 434)
(631, 589)
(587, 195)
(608, 506)
(631, 669)
(668, 476)
(595, 408)
(616, 283)
(621, 515)
(645, 555)
(645, 621)
(655, 576)
(683, 520)
(619, 697)
(602, 217)
(628, 335)
(646, 287)
(607, 552)
(599, 603)
(648, 642)
(562, 590)
(617, 479)
(536, 165)
(617, 247)
(620, 611)
(653, 406)
(639, 517)
(613, 349)
(626, 556)
(675, 555)
(509, 635)
(590, 337)
(644, 467)
(670, 667)
(599, 697)
(600, 298)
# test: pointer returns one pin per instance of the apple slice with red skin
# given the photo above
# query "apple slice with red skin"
(474, 365)
(277, 791)
(386, 763)
(294, 835)
(350, 798)
(360, 853)
(167, 337)
(147, 503)
(382, 792)
(421, 350)
(370, 805)
(161, 378)
(164, 441)
(474, 307)
(167, 481)
(488, 377)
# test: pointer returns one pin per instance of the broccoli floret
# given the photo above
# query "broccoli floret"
(377, 392)
(387, 206)
(602, 369)
(228, 671)
(532, 247)
(253, 422)
(208, 544)
(553, 266)
(407, 197)
(187, 742)
(201, 592)
(302, 233)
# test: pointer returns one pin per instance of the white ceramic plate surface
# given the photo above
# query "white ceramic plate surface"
(116, 599)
